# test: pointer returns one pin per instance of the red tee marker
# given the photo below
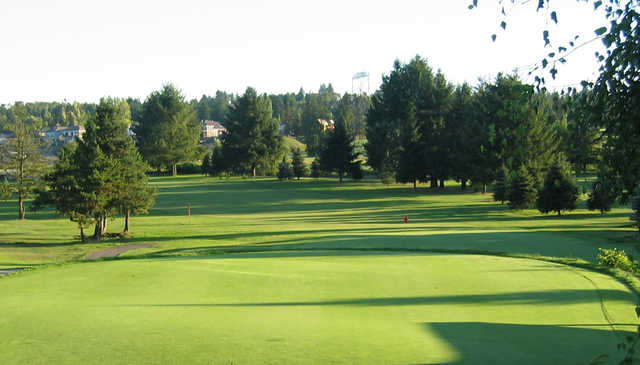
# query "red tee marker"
(406, 219)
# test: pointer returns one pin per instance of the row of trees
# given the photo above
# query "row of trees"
(252, 143)
(422, 128)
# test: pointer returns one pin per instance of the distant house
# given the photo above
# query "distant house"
(63, 134)
(326, 124)
(6, 136)
(212, 129)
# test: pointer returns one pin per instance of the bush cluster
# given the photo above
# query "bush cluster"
(615, 258)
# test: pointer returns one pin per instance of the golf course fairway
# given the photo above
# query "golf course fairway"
(323, 307)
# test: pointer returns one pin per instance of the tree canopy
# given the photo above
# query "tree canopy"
(252, 140)
(168, 132)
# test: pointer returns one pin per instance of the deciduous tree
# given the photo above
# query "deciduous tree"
(21, 158)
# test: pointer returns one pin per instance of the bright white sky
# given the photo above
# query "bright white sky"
(81, 50)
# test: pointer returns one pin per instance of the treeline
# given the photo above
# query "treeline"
(422, 128)
(298, 112)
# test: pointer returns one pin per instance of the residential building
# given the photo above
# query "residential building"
(212, 129)
(63, 134)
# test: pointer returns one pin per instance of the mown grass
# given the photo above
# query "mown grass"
(315, 272)
(313, 307)
(268, 214)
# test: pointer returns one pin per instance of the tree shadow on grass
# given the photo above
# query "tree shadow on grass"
(569, 244)
(504, 343)
(549, 297)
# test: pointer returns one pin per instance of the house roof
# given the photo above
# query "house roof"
(213, 124)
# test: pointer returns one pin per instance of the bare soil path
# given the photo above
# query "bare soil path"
(10, 271)
(114, 251)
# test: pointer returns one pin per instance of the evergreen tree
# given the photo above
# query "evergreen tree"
(285, 171)
(604, 191)
(134, 195)
(205, 168)
(459, 123)
(252, 139)
(522, 192)
(65, 192)
(501, 185)
(168, 132)
(218, 164)
(103, 175)
(635, 206)
(356, 170)
(299, 167)
(338, 154)
(559, 191)
(21, 158)
(6, 189)
(315, 168)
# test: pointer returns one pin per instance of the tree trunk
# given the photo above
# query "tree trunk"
(414, 184)
(434, 183)
(126, 221)
(97, 231)
(484, 188)
(463, 185)
(20, 207)
(101, 228)
(559, 213)
(174, 169)
(441, 183)
(253, 172)
(81, 232)
(340, 176)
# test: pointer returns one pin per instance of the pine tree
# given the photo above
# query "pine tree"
(205, 168)
(168, 132)
(6, 189)
(635, 206)
(500, 187)
(315, 168)
(297, 162)
(103, 175)
(285, 172)
(252, 139)
(338, 153)
(522, 192)
(559, 191)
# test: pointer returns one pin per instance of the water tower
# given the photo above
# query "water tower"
(360, 83)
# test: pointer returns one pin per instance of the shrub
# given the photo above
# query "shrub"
(355, 169)
(615, 258)
(189, 168)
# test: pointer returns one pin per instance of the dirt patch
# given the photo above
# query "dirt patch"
(10, 271)
(114, 251)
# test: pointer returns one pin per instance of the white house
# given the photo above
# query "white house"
(212, 129)
(63, 134)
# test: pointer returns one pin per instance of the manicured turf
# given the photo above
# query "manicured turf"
(319, 307)
(321, 273)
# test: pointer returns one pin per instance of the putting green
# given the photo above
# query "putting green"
(313, 307)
